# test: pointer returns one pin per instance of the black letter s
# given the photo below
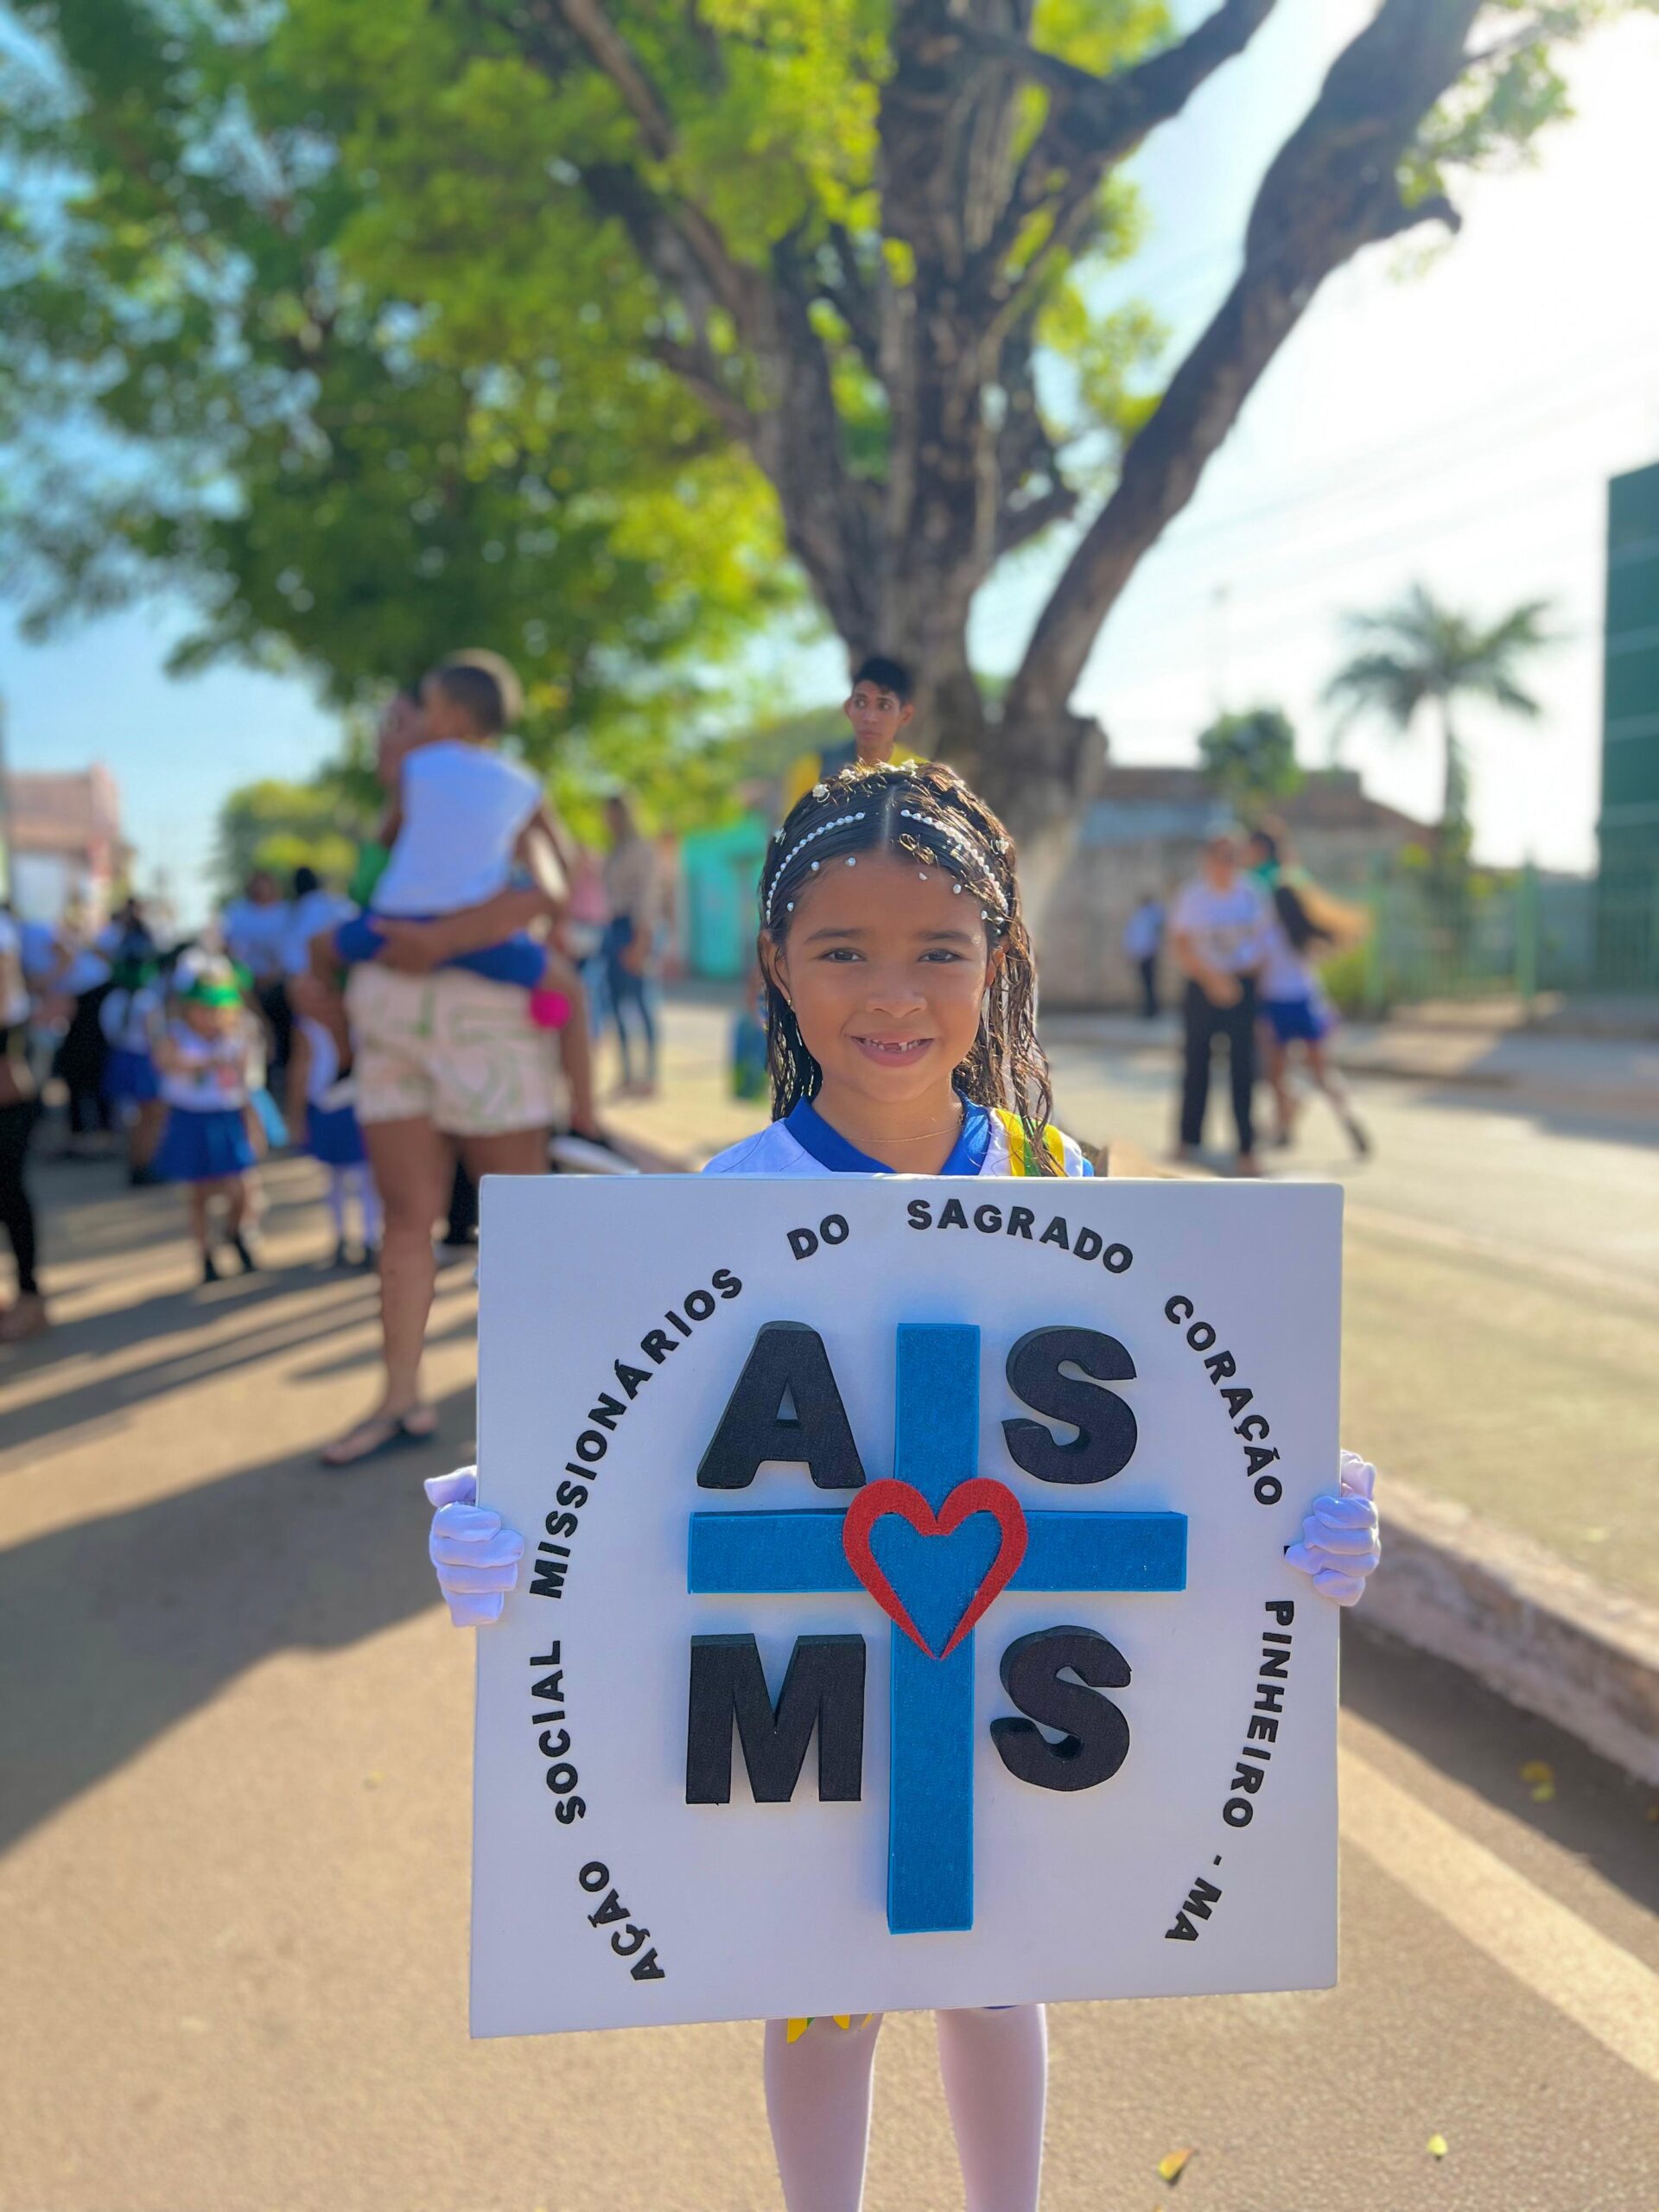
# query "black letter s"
(1107, 1430)
(1097, 1738)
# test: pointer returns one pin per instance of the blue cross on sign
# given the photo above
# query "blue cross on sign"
(937, 1579)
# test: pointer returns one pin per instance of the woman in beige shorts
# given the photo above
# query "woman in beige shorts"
(444, 1062)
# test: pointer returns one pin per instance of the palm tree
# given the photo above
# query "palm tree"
(1419, 653)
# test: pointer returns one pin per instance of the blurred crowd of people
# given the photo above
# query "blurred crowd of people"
(431, 1020)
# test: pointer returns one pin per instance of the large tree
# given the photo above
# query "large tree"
(852, 229)
(199, 389)
(860, 241)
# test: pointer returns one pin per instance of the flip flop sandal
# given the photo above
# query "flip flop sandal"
(395, 1435)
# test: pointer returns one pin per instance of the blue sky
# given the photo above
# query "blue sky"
(1448, 414)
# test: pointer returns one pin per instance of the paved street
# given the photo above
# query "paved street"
(1502, 1278)
(234, 1829)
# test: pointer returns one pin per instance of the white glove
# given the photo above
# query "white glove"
(477, 1560)
(1341, 1543)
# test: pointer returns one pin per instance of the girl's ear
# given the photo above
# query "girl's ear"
(773, 965)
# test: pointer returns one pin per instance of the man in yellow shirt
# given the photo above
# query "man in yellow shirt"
(880, 705)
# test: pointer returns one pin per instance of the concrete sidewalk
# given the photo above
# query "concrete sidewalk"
(1615, 1076)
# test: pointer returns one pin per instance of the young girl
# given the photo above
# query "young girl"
(132, 1089)
(900, 1000)
(1307, 927)
(203, 1059)
(332, 1139)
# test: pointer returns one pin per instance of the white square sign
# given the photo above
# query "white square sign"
(905, 1620)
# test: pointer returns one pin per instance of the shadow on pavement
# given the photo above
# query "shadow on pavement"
(1469, 1732)
(115, 1630)
(83, 1402)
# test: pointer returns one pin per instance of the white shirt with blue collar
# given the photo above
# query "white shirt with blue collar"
(803, 1143)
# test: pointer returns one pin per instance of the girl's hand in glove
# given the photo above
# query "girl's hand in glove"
(476, 1559)
(1340, 1542)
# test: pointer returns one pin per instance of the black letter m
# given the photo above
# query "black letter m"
(824, 1687)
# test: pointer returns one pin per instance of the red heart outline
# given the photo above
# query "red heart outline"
(980, 1494)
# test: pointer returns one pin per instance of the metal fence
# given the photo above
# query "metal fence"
(1492, 936)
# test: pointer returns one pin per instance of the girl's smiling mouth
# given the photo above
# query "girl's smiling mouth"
(893, 1052)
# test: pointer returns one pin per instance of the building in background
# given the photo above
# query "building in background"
(1628, 901)
(68, 855)
(1143, 833)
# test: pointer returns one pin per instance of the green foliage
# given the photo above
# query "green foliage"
(336, 316)
(1250, 758)
(283, 826)
(1493, 118)
(215, 384)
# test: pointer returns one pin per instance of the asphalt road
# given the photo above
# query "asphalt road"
(233, 1845)
(1501, 1288)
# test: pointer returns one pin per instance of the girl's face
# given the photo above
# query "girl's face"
(885, 965)
(209, 1021)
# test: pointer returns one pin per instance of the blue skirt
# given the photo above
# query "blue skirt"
(332, 1136)
(130, 1074)
(210, 1146)
(1299, 1020)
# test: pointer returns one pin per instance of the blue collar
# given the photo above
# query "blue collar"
(831, 1150)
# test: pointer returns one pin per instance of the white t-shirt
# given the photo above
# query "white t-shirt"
(127, 1017)
(308, 917)
(255, 937)
(215, 1073)
(1288, 975)
(86, 971)
(39, 943)
(463, 808)
(1228, 930)
(14, 995)
(776, 1150)
(1143, 929)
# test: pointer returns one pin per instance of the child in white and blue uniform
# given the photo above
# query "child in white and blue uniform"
(204, 1057)
(334, 1140)
(900, 991)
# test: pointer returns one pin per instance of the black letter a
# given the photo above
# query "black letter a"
(788, 1360)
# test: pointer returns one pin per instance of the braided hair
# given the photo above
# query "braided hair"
(924, 811)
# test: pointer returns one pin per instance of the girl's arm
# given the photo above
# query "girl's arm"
(416, 947)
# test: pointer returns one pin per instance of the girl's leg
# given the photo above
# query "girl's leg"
(1337, 1091)
(201, 1226)
(1276, 1066)
(818, 2103)
(336, 1196)
(617, 979)
(147, 1131)
(996, 2071)
(360, 1181)
(575, 1042)
(241, 1214)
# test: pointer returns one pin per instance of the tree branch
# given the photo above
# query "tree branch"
(616, 59)
(1094, 122)
(1331, 191)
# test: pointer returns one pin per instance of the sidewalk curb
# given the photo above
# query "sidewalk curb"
(1632, 1101)
(1541, 1633)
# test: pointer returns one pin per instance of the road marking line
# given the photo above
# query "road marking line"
(1561, 1958)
